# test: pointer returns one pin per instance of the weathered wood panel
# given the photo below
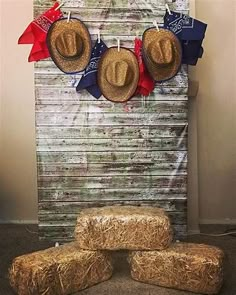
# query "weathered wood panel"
(111, 4)
(70, 219)
(96, 169)
(128, 132)
(112, 157)
(110, 119)
(111, 194)
(116, 15)
(75, 207)
(68, 93)
(114, 181)
(109, 107)
(96, 153)
(95, 145)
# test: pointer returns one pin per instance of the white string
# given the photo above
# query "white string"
(118, 44)
(68, 17)
(215, 235)
(99, 36)
(58, 7)
(168, 9)
(156, 25)
(30, 231)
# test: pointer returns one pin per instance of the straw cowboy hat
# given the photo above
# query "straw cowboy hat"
(118, 74)
(69, 44)
(162, 53)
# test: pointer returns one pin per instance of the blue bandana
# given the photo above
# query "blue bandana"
(190, 32)
(89, 78)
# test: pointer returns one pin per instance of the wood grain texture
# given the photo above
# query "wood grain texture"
(76, 207)
(106, 106)
(95, 145)
(111, 4)
(111, 194)
(112, 132)
(93, 153)
(96, 169)
(68, 93)
(114, 181)
(116, 15)
(112, 157)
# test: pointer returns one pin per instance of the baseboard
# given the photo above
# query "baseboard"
(18, 221)
(218, 221)
(193, 232)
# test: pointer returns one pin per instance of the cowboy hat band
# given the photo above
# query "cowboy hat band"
(162, 53)
(118, 74)
(69, 45)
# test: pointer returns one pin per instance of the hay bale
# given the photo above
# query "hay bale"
(59, 271)
(185, 266)
(123, 227)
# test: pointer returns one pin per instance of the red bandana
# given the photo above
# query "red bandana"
(36, 33)
(145, 84)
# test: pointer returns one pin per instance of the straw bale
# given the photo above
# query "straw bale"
(59, 271)
(123, 227)
(185, 266)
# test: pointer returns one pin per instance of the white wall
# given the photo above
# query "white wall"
(18, 162)
(215, 105)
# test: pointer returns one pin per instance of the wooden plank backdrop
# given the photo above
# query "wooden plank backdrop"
(96, 153)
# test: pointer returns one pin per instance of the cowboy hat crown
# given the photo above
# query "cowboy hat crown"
(69, 44)
(119, 73)
(161, 52)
